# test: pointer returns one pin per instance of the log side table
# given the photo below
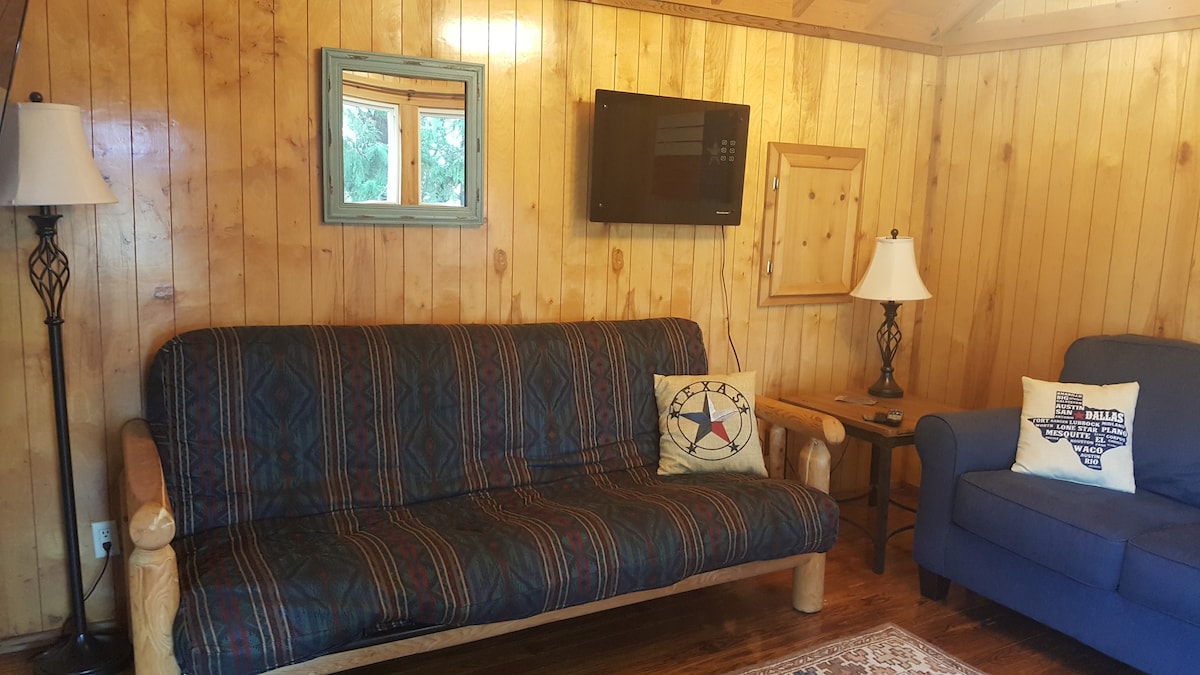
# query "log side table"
(883, 439)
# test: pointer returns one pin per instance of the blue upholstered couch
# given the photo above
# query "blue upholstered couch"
(1117, 571)
(313, 490)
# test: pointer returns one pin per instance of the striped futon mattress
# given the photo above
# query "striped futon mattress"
(332, 483)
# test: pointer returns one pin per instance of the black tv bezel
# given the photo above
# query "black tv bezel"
(605, 144)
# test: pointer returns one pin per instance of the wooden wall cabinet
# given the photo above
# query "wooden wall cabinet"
(810, 221)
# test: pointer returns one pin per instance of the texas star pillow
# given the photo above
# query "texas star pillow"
(706, 423)
(1081, 433)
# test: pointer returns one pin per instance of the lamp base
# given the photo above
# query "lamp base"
(85, 654)
(886, 387)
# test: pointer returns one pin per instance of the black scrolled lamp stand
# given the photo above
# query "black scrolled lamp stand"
(888, 337)
(79, 652)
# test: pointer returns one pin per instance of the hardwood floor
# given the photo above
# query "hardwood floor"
(740, 624)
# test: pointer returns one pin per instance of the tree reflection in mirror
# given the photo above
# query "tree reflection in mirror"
(403, 140)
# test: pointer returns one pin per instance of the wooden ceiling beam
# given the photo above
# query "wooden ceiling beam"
(1124, 19)
(973, 14)
(769, 20)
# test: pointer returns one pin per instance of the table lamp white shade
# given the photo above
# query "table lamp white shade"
(45, 159)
(892, 274)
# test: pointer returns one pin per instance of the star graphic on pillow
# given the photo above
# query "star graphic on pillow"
(710, 420)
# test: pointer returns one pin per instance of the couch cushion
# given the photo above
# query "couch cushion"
(266, 593)
(1166, 458)
(268, 421)
(1162, 572)
(1078, 530)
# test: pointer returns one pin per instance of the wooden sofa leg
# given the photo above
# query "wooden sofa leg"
(154, 600)
(808, 584)
(933, 585)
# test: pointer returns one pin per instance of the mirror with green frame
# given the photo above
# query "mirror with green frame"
(403, 139)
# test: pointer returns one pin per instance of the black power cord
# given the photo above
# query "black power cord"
(728, 309)
(107, 554)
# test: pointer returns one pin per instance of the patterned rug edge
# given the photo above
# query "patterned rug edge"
(809, 660)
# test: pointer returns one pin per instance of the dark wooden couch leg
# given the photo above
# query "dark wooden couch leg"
(933, 586)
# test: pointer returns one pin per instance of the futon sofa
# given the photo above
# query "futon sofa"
(1117, 571)
(328, 497)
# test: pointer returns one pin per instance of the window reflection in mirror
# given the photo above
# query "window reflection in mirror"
(410, 143)
(403, 140)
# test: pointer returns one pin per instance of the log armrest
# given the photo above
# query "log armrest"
(151, 567)
(821, 432)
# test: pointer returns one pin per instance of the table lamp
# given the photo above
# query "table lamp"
(45, 161)
(891, 278)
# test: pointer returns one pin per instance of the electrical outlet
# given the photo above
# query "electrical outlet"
(105, 531)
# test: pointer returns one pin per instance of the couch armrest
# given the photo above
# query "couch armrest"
(151, 568)
(949, 445)
(821, 430)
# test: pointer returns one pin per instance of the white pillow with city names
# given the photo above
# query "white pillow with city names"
(706, 423)
(1081, 433)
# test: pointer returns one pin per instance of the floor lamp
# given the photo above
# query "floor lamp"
(891, 278)
(45, 162)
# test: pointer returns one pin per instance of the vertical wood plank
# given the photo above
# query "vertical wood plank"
(293, 136)
(328, 252)
(501, 94)
(767, 330)
(579, 97)
(223, 147)
(526, 161)
(552, 163)
(256, 38)
(475, 261)
(1185, 212)
(151, 168)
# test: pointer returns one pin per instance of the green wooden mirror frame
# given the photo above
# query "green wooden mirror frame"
(336, 62)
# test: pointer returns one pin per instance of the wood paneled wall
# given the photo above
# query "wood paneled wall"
(204, 119)
(1067, 204)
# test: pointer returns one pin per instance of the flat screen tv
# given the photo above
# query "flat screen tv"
(659, 159)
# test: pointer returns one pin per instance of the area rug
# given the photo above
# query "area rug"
(880, 651)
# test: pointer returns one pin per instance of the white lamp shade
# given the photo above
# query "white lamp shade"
(892, 274)
(45, 159)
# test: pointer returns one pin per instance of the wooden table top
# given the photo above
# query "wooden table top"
(851, 413)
